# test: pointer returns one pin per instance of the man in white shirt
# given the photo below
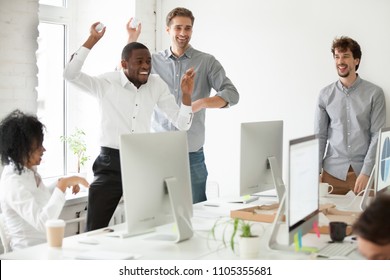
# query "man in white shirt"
(126, 101)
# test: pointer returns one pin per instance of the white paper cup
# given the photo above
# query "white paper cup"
(325, 189)
(55, 230)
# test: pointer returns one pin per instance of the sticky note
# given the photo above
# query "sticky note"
(316, 229)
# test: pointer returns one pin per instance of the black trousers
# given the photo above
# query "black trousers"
(106, 189)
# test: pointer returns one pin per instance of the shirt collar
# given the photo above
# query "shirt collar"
(188, 53)
(353, 86)
(124, 79)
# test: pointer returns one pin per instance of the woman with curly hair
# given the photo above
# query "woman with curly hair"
(26, 203)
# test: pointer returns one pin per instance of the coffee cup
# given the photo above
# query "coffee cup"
(325, 189)
(55, 230)
(338, 231)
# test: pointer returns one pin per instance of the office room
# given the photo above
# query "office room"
(277, 54)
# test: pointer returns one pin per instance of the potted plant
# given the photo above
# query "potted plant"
(249, 243)
(78, 147)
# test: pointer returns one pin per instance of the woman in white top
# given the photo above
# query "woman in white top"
(26, 203)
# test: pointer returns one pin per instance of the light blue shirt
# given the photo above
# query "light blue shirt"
(209, 74)
(347, 122)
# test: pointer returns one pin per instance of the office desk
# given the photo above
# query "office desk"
(201, 246)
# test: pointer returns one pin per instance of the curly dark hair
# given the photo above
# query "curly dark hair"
(344, 43)
(20, 135)
(374, 223)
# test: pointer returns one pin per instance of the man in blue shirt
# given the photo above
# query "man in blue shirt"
(349, 115)
(171, 64)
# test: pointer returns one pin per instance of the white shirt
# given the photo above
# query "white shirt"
(26, 207)
(123, 107)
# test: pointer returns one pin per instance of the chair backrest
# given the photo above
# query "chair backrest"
(3, 235)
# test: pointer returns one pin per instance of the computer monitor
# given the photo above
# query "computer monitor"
(379, 180)
(300, 203)
(156, 183)
(303, 193)
(382, 177)
(260, 142)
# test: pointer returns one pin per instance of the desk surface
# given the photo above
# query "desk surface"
(201, 246)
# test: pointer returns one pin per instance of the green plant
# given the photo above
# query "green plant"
(239, 225)
(78, 147)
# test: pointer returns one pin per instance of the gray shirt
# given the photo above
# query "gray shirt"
(347, 122)
(209, 74)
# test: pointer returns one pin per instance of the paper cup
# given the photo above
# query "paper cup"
(55, 230)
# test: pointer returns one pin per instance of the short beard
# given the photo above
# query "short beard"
(344, 75)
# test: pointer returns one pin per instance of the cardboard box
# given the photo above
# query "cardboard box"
(261, 213)
(267, 214)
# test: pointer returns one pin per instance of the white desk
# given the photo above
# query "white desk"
(200, 246)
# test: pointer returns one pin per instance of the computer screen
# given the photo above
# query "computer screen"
(156, 183)
(302, 206)
(382, 176)
(299, 207)
(379, 180)
(259, 142)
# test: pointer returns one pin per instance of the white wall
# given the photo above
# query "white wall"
(18, 44)
(277, 52)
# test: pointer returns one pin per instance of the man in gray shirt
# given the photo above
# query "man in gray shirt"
(349, 115)
(171, 64)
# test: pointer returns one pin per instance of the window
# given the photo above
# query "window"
(51, 95)
(52, 41)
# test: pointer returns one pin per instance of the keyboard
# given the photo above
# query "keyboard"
(337, 249)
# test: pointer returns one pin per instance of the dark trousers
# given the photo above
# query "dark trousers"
(198, 176)
(106, 189)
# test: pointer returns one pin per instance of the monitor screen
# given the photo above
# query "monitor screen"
(259, 142)
(156, 182)
(382, 171)
(302, 191)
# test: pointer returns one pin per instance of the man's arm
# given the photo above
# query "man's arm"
(208, 102)
(321, 124)
(133, 33)
(180, 116)
(187, 86)
(378, 120)
(227, 94)
(72, 71)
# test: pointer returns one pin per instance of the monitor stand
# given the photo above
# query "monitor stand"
(366, 199)
(182, 227)
(181, 214)
(277, 177)
(278, 220)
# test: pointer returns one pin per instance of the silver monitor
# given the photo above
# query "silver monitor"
(379, 180)
(300, 203)
(156, 183)
(261, 141)
(302, 206)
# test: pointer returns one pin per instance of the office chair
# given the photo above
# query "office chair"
(3, 235)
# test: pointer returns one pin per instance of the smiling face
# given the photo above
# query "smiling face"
(345, 63)
(137, 68)
(180, 31)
